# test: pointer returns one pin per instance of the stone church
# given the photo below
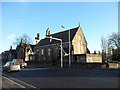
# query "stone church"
(48, 51)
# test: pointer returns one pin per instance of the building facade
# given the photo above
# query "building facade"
(48, 50)
(25, 52)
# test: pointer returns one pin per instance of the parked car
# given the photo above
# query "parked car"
(21, 62)
(9, 66)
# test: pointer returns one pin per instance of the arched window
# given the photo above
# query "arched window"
(42, 52)
(49, 51)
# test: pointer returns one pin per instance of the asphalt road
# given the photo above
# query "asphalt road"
(67, 78)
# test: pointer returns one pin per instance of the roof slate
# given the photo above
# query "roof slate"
(32, 47)
(64, 35)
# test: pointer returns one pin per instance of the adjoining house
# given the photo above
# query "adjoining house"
(5, 56)
(48, 50)
(9, 55)
(22, 51)
(29, 53)
(12, 54)
(25, 51)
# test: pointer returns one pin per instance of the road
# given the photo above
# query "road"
(67, 78)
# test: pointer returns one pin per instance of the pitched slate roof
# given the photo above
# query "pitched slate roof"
(32, 47)
(24, 45)
(12, 51)
(64, 35)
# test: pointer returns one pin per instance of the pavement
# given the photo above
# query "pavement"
(9, 84)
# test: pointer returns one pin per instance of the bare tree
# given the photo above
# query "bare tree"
(25, 40)
(114, 42)
(104, 43)
(106, 50)
(111, 44)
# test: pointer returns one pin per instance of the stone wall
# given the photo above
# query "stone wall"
(93, 58)
(79, 43)
(114, 65)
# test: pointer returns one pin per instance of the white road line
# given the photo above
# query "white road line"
(14, 82)
(26, 83)
(23, 82)
(37, 68)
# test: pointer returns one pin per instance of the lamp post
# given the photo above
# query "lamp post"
(61, 48)
(69, 46)
(69, 49)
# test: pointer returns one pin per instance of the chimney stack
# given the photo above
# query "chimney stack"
(37, 38)
(10, 47)
(48, 32)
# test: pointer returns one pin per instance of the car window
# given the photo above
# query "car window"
(11, 63)
(7, 64)
(20, 60)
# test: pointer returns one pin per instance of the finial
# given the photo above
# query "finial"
(79, 24)
(62, 26)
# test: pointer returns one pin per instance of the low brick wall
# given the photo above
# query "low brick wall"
(114, 65)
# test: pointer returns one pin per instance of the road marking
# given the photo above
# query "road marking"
(36, 68)
(21, 82)
(27, 84)
(14, 82)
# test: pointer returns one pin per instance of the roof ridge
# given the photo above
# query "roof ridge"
(63, 35)
(65, 31)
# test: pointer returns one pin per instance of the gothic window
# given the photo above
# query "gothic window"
(42, 52)
(37, 50)
(79, 38)
(49, 51)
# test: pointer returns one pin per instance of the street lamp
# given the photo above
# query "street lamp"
(69, 46)
(69, 49)
(61, 48)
